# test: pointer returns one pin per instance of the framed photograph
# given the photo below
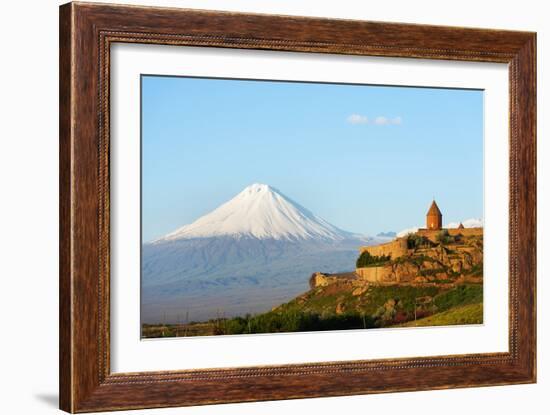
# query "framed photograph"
(258, 207)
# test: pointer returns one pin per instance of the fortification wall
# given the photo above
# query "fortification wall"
(375, 274)
(432, 234)
(395, 248)
(466, 231)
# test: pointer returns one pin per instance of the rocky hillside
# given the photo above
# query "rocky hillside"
(452, 259)
(436, 283)
(435, 277)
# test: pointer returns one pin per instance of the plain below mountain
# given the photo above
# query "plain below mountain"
(251, 253)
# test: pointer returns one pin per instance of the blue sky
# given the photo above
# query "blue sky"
(365, 158)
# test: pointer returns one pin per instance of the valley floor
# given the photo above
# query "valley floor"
(432, 283)
(341, 309)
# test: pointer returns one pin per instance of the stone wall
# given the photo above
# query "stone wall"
(319, 279)
(466, 231)
(432, 234)
(375, 274)
(395, 248)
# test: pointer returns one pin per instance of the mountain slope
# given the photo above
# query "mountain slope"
(259, 211)
(252, 253)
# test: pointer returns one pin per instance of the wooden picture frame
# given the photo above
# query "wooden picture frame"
(86, 33)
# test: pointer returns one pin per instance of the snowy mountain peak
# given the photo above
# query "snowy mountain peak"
(257, 188)
(259, 211)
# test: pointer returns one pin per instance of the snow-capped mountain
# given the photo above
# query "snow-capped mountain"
(253, 252)
(259, 211)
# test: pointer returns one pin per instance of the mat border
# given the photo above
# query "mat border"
(87, 31)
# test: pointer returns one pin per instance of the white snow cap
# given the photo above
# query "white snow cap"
(259, 211)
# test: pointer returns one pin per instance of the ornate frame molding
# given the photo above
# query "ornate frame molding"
(86, 33)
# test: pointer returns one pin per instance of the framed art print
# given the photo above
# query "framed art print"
(261, 262)
(261, 207)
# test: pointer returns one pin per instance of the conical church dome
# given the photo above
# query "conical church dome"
(434, 210)
(434, 218)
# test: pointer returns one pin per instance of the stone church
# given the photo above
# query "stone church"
(434, 218)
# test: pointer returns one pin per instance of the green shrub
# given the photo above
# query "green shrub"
(477, 270)
(368, 260)
(292, 321)
(415, 241)
(420, 259)
(444, 238)
(430, 272)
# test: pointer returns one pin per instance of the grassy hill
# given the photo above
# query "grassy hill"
(443, 285)
(468, 314)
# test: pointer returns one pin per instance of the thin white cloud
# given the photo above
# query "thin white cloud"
(357, 119)
(405, 232)
(467, 223)
(387, 121)
(380, 120)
